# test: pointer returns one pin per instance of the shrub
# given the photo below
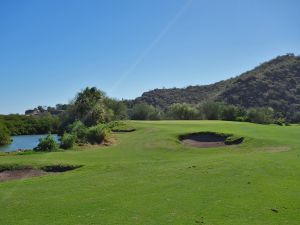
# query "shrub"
(228, 112)
(261, 115)
(79, 130)
(88, 106)
(143, 111)
(118, 108)
(210, 110)
(114, 124)
(280, 121)
(182, 112)
(296, 117)
(97, 134)
(4, 136)
(67, 141)
(47, 144)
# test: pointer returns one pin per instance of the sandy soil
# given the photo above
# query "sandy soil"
(199, 144)
(20, 174)
(204, 140)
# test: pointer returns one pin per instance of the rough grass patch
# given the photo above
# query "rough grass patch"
(60, 168)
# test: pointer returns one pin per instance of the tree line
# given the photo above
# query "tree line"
(90, 116)
(210, 110)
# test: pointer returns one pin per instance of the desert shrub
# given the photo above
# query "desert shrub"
(182, 112)
(4, 135)
(261, 115)
(67, 141)
(118, 108)
(228, 112)
(47, 144)
(97, 134)
(210, 110)
(143, 111)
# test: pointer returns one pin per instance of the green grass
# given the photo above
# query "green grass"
(148, 177)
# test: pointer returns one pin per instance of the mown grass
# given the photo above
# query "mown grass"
(149, 177)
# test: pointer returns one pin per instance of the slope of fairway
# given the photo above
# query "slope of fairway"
(149, 177)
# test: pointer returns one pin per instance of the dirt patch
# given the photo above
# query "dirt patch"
(22, 173)
(209, 139)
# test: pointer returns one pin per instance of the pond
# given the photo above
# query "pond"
(24, 142)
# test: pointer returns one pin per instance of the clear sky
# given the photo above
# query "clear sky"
(51, 49)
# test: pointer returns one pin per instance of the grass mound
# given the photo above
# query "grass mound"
(121, 127)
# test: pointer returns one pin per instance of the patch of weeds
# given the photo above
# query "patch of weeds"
(9, 167)
(234, 140)
(60, 168)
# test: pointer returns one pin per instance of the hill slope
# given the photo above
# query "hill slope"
(275, 84)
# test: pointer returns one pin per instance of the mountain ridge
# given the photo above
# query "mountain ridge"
(275, 84)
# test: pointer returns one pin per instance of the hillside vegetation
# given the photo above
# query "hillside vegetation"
(274, 84)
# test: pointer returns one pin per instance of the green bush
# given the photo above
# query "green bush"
(97, 134)
(79, 130)
(296, 117)
(118, 108)
(47, 144)
(114, 124)
(210, 110)
(4, 136)
(67, 141)
(261, 115)
(143, 111)
(228, 112)
(182, 112)
(280, 121)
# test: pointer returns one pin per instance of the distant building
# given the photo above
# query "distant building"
(37, 112)
(33, 112)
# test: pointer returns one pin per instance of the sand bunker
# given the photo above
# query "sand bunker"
(209, 139)
(15, 174)
(20, 174)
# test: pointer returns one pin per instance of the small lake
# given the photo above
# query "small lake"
(24, 142)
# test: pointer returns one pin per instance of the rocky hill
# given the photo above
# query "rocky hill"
(274, 84)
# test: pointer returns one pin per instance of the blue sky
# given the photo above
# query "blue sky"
(51, 49)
